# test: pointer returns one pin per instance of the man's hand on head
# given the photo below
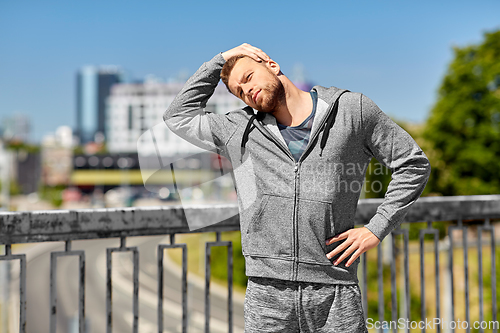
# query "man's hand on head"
(248, 50)
(357, 240)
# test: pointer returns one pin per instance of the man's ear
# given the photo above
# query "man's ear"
(273, 66)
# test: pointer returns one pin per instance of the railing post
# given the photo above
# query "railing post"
(364, 285)
(161, 250)
(404, 232)
(435, 233)
(109, 287)
(489, 228)
(450, 272)
(208, 247)
(8, 256)
(53, 286)
(380, 278)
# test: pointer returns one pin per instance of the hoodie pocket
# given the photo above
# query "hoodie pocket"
(315, 225)
(269, 231)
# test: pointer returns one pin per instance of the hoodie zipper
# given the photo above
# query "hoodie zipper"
(295, 201)
(294, 223)
(296, 174)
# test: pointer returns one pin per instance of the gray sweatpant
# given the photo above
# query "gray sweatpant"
(273, 305)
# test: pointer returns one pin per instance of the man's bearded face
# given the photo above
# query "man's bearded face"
(256, 85)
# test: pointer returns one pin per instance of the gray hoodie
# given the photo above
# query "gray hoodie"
(288, 209)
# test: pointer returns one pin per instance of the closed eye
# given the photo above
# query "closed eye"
(241, 90)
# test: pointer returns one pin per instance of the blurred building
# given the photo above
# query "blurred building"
(15, 128)
(21, 164)
(93, 86)
(23, 159)
(57, 157)
(133, 109)
(27, 170)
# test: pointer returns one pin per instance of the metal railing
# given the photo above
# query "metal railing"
(67, 226)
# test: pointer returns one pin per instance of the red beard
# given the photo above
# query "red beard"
(272, 95)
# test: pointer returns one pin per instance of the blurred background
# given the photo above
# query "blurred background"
(81, 82)
(84, 84)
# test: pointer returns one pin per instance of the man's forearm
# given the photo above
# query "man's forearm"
(404, 189)
(185, 115)
(195, 92)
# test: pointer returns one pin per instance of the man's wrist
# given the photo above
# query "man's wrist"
(214, 66)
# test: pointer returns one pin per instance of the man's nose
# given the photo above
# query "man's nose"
(249, 92)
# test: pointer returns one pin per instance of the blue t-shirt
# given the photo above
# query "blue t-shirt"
(297, 137)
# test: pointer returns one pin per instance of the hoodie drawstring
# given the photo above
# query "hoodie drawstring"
(259, 115)
(329, 123)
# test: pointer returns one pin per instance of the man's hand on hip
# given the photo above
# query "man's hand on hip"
(246, 49)
(357, 239)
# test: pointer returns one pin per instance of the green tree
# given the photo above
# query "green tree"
(463, 130)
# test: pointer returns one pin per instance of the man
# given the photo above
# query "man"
(299, 165)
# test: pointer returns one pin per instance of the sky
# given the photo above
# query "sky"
(396, 51)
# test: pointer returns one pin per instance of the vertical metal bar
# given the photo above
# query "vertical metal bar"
(422, 234)
(394, 291)
(466, 273)
(81, 287)
(109, 290)
(22, 285)
(208, 247)
(437, 269)
(136, 291)
(160, 288)
(406, 238)
(109, 287)
(53, 291)
(22, 291)
(450, 269)
(230, 286)
(365, 284)
(207, 288)
(406, 276)
(161, 249)
(480, 273)
(184, 289)
(380, 276)
(422, 277)
(81, 295)
(493, 275)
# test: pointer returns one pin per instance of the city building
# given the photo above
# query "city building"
(57, 157)
(93, 86)
(135, 111)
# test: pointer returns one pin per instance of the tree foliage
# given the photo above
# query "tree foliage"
(463, 130)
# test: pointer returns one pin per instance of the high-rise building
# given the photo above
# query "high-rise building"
(93, 86)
